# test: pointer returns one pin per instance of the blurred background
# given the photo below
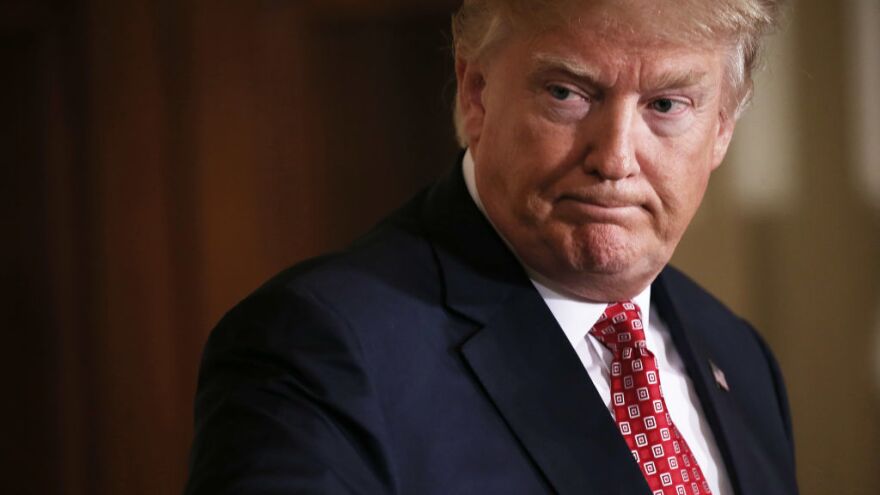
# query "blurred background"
(159, 159)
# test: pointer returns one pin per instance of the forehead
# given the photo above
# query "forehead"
(641, 26)
(592, 50)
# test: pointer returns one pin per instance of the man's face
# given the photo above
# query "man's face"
(593, 150)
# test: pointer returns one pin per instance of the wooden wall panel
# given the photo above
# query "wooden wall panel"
(132, 344)
(248, 79)
(314, 126)
(27, 359)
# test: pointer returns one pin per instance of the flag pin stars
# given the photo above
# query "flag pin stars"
(720, 379)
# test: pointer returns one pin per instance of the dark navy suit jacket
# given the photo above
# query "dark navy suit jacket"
(422, 361)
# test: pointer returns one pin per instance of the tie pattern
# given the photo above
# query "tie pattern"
(639, 408)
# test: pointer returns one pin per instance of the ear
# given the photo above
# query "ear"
(471, 81)
(726, 124)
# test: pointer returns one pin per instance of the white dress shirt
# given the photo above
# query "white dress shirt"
(577, 316)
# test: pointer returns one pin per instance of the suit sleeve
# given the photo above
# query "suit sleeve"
(285, 405)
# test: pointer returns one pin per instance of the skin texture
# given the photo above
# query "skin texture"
(593, 149)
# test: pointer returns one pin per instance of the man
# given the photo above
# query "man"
(509, 329)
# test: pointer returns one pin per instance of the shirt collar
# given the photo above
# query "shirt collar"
(576, 316)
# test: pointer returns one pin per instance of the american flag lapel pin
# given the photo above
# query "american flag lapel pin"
(720, 379)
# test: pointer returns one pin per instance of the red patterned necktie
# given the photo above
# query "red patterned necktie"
(639, 409)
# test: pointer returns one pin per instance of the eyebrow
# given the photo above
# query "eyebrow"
(668, 80)
(547, 62)
(665, 80)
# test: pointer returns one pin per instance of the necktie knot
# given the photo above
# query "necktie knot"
(620, 327)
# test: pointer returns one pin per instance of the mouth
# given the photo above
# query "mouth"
(615, 210)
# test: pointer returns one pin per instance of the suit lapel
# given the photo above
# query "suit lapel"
(534, 378)
(749, 467)
(521, 356)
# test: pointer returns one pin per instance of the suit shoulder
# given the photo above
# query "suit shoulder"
(393, 262)
(389, 260)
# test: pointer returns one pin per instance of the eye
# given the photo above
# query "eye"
(560, 93)
(562, 102)
(666, 105)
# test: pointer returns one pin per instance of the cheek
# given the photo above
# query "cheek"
(528, 157)
(679, 187)
(547, 152)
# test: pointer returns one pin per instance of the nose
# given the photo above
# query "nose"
(611, 140)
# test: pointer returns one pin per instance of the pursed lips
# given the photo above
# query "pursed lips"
(599, 208)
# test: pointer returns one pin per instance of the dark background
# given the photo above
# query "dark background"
(161, 158)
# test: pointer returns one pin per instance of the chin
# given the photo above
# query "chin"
(603, 249)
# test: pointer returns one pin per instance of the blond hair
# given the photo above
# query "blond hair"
(480, 25)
